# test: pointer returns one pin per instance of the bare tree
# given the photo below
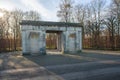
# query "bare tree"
(31, 15)
(2, 29)
(80, 13)
(79, 16)
(116, 10)
(111, 25)
(9, 25)
(65, 12)
(17, 16)
(6, 19)
(94, 14)
(5, 25)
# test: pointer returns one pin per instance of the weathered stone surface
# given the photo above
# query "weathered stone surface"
(33, 36)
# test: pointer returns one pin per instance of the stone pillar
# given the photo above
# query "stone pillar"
(77, 44)
(80, 38)
(63, 36)
(63, 43)
(57, 41)
(44, 39)
(42, 42)
(24, 51)
(79, 41)
(37, 42)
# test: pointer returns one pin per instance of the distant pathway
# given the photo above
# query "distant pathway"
(103, 52)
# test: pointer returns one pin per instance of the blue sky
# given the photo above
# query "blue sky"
(47, 8)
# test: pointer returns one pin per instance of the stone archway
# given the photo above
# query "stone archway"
(69, 36)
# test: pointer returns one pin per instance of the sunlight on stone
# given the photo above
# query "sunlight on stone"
(1, 14)
(80, 57)
(19, 56)
(28, 62)
(1, 61)
(111, 62)
(18, 66)
(11, 63)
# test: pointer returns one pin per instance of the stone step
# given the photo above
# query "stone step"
(70, 68)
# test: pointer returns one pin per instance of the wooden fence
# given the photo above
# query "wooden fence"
(105, 42)
(10, 45)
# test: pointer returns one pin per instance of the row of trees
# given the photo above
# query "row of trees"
(97, 18)
(9, 24)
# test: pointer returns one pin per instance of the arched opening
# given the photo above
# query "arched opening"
(54, 41)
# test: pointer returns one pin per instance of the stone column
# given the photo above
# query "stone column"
(43, 41)
(63, 43)
(24, 51)
(59, 42)
(80, 40)
(77, 43)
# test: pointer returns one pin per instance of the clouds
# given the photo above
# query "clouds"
(5, 4)
(36, 5)
(46, 8)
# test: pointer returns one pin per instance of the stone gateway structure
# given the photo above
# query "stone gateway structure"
(69, 36)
